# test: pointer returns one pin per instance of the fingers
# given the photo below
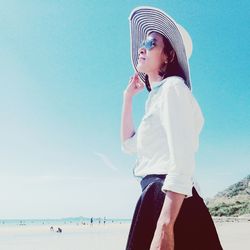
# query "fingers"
(136, 80)
(134, 76)
(138, 84)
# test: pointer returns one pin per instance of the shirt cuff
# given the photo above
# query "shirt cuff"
(129, 145)
(178, 183)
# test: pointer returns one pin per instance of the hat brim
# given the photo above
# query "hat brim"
(146, 19)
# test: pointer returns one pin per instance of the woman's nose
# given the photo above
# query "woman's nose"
(141, 51)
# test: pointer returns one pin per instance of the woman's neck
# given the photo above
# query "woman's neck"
(152, 78)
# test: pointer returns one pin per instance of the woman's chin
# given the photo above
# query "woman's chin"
(140, 69)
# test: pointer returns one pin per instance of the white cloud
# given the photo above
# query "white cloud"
(106, 161)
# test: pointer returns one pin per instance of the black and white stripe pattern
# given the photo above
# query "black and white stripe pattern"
(146, 19)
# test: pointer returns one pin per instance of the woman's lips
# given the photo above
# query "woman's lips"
(142, 59)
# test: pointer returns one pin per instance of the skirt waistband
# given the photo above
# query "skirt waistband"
(146, 180)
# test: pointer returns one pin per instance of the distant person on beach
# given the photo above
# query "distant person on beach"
(170, 213)
(91, 221)
(51, 228)
(59, 230)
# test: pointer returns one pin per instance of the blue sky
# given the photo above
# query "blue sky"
(63, 68)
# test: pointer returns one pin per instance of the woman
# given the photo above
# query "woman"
(170, 214)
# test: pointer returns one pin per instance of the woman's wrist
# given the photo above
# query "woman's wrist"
(127, 95)
(164, 225)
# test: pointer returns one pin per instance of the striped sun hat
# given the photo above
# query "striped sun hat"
(145, 19)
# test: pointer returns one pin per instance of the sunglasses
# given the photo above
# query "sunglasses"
(148, 44)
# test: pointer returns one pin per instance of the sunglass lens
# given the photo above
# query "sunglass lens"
(148, 44)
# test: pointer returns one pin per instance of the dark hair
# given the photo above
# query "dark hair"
(172, 68)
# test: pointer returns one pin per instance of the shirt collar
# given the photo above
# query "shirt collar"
(157, 84)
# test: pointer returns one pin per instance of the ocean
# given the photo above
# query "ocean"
(63, 221)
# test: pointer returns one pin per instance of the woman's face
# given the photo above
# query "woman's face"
(150, 60)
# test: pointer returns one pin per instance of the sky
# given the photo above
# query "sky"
(63, 68)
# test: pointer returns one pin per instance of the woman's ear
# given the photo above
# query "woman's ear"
(172, 55)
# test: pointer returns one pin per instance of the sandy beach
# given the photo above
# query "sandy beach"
(233, 235)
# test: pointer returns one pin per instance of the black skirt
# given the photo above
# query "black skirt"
(193, 230)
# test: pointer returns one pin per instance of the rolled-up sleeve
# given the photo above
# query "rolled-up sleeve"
(177, 117)
(129, 145)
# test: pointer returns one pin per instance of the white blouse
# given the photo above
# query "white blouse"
(168, 136)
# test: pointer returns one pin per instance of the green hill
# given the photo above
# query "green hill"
(233, 201)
